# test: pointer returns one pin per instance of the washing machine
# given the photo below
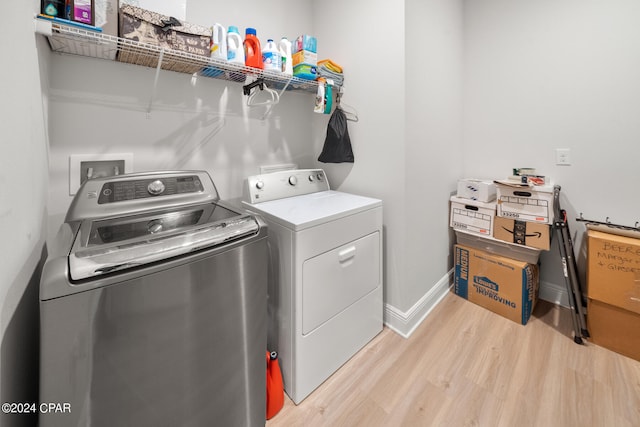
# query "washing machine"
(325, 287)
(153, 307)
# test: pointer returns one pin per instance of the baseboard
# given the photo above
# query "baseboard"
(554, 293)
(404, 323)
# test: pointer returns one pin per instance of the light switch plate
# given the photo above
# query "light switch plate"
(563, 156)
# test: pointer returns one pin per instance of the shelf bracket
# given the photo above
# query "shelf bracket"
(155, 83)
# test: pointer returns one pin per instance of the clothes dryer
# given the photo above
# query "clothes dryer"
(325, 290)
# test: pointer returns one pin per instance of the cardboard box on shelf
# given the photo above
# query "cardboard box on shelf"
(526, 203)
(305, 42)
(106, 16)
(304, 57)
(503, 285)
(525, 233)
(472, 216)
(476, 189)
(82, 11)
(613, 270)
(144, 26)
(614, 328)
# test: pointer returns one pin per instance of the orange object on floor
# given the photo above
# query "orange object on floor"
(275, 388)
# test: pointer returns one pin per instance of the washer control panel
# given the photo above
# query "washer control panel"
(118, 191)
(283, 184)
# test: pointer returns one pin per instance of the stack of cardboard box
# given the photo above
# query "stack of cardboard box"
(501, 229)
(613, 290)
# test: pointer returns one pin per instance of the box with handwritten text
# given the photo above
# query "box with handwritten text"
(613, 288)
(613, 269)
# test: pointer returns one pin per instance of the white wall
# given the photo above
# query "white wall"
(433, 90)
(549, 74)
(101, 107)
(23, 186)
(367, 39)
(403, 76)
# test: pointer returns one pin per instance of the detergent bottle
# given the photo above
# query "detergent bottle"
(219, 42)
(252, 51)
(235, 50)
(285, 54)
(271, 57)
(275, 387)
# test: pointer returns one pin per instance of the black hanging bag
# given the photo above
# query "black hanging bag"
(337, 144)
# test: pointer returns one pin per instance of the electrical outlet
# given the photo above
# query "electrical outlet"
(87, 166)
(563, 156)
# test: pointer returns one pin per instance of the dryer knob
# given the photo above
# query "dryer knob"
(311, 178)
(320, 177)
(156, 187)
(293, 180)
(259, 185)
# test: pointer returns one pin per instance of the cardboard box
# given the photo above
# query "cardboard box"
(82, 11)
(304, 57)
(525, 203)
(144, 26)
(503, 285)
(525, 233)
(475, 189)
(614, 328)
(498, 247)
(613, 270)
(472, 216)
(106, 16)
(305, 42)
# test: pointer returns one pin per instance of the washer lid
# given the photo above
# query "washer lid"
(108, 245)
(308, 210)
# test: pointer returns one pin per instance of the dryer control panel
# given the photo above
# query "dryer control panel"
(283, 184)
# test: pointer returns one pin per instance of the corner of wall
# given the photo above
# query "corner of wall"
(405, 323)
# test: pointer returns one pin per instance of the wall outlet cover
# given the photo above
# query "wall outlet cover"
(78, 161)
(563, 156)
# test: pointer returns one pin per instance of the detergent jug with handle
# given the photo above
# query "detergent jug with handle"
(285, 53)
(219, 42)
(252, 51)
(275, 387)
(271, 57)
(235, 50)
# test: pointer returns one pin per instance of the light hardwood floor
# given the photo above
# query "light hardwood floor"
(466, 366)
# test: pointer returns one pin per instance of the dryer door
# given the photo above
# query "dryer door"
(334, 280)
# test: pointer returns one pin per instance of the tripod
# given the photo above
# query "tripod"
(572, 282)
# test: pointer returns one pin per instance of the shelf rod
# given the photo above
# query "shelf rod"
(155, 83)
(635, 227)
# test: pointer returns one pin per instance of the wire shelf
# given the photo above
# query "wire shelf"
(70, 40)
